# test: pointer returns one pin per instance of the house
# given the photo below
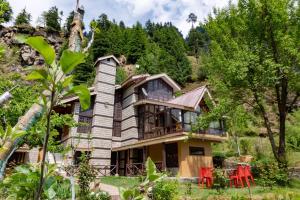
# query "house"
(140, 118)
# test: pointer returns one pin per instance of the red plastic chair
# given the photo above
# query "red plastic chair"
(248, 174)
(206, 173)
(237, 177)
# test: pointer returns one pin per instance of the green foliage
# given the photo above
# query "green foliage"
(164, 190)
(69, 60)
(293, 131)
(156, 48)
(23, 97)
(52, 19)
(197, 40)
(269, 174)
(220, 181)
(5, 11)
(85, 72)
(22, 184)
(10, 134)
(98, 196)
(144, 190)
(245, 146)
(253, 54)
(40, 45)
(52, 79)
(36, 133)
(121, 75)
(87, 174)
(23, 18)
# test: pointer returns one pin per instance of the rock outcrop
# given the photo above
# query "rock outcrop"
(27, 55)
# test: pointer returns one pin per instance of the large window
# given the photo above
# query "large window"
(85, 119)
(197, 151)
(155, 120)
(156, 89)
(117, 114)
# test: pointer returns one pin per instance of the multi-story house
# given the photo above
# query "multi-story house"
(141, 118)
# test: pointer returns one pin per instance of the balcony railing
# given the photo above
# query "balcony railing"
(161, 131)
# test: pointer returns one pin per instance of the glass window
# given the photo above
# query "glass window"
(197, 151)
(215, 125)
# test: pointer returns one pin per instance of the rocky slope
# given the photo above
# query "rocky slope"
(16, 55)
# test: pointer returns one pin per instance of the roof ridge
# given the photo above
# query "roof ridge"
(192, 90)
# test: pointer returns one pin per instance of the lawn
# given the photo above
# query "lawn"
(258, 192)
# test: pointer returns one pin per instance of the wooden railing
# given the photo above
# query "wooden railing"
(137, 169)
(161, 131)
(106, 170)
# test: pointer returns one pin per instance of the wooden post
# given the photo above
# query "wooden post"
(117, 164)
(144, 154)
(164, 164)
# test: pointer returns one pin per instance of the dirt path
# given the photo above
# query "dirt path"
(112, 190)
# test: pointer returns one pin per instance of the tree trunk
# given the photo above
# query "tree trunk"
(267, 124)
(24, 123)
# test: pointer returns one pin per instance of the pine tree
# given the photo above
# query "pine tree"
(52, 19)
(136, 45)
(5, 11)
(23, 17)
(197, 40)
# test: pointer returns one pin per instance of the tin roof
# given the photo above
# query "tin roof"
(191, 99)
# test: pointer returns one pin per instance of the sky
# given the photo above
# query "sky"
(129, 11)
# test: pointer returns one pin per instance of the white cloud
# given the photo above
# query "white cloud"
(129, 11)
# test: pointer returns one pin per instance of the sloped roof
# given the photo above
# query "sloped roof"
(191, 99)
(163, 76)
(134, 79)
(107, 57)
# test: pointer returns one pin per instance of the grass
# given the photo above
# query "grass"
(258, 192)
(120, 181)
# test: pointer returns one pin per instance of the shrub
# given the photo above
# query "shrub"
(87, 174)
(219, 179)
(245, 146)
(164, 190)
(188, 190)
(98, 196)
(269, 174)
(23, 183)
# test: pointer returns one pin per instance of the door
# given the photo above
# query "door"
(171, 155)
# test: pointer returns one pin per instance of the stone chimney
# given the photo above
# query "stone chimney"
(102, 125)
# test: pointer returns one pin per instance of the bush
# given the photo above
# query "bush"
(164, 190)
(23, 183)
(245, 146)
(87, 174)
(98, 196)
(269, 174)
(219, 179)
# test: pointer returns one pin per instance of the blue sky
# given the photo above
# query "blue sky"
(130, 11)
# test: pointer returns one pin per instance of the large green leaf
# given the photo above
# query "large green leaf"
(37, 75)
(41, 46)
(70, 59)
(150, 167)
(84, 95)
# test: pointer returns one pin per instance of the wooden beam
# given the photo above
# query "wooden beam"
(164, 163)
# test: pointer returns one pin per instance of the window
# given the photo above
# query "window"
(85, 124)
(85, 118)
(197, 151)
